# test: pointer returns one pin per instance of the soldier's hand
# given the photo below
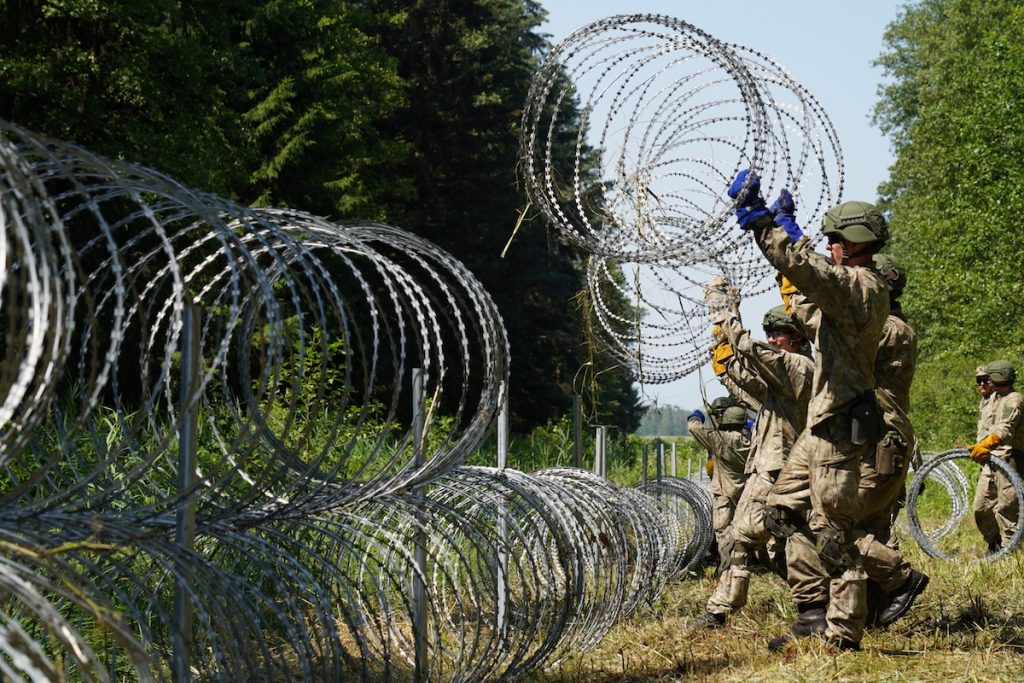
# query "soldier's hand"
(709, 467)
(981, 450)
(746, 188)
(784, 211)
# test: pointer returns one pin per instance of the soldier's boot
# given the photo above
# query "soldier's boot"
(995, 546)
(710, 621)
(810, 621)
(903, 598)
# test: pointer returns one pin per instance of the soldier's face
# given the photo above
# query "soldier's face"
(984, 386)
(844, 252)
(786, 341)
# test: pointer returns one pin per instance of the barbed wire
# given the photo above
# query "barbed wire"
(942, 469)
(663, 116)
(320, 506)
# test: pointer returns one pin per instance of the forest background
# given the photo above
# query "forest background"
(408, 113)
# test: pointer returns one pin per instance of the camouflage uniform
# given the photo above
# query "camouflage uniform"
(883, 474)
(853, 303)
(730, 449)
(783, 381)
(995, 499)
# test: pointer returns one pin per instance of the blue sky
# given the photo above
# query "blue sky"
(827, 46)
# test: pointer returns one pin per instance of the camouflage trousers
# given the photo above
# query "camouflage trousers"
(723, 511)
(995, 504)
(749, 533)
(822, 479)
(881, 495)
(848, 506)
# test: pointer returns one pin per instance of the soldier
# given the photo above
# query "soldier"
(844, 421)
(995, 499)
(730, 448)
(883, 473)
(781, 373)
(717, 409)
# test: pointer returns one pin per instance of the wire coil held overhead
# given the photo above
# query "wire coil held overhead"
(668, 115)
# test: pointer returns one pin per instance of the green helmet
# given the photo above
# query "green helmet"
(1001, 372)
(894, 273)
(734, 416)
(856, 222)
(777, 319)
(722, 402)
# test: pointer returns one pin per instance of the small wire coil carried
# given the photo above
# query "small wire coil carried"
(941, 469)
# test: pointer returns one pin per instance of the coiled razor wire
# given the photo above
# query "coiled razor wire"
(320, 506)
(957, 489)
(667, 116)
(954, 483)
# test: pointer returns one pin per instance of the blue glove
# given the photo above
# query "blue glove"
(696, 415)
(784, 210)
(749, 424)
(752, 205)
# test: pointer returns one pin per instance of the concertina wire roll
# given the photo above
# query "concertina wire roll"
(667, 116)
(313, 517)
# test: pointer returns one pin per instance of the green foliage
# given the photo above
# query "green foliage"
(382, 110)
(953, 108)
(266, 101)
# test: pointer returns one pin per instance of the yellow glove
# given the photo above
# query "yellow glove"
(719, 355)
(786, 289)
(980, 450)
(709, 467)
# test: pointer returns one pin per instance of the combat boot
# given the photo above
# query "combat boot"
(710, 621)
(903, 597)
(810, 621)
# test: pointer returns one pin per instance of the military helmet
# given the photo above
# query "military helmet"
(981, 371)
(777, 319)
(893, 272)
(734, 416)
(1001, 372)
(722, 402)
(856, 222)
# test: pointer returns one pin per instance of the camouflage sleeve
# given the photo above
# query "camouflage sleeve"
(743, 383)
(832, 288)
(710, 439)
(1006, 420)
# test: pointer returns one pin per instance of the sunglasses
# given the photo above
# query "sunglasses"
(833, 238)
(982, 380)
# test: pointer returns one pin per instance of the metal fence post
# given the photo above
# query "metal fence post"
(577, 430)
(643, 464)
(502, 568)
(673, 459)
(188, 444)
(600, 451)
(659, 462)
(421, 673)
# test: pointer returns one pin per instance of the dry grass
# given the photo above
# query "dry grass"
(967, 626)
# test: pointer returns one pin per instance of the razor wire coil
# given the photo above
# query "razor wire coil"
(307, 502)
(667, 116)
(945, 460)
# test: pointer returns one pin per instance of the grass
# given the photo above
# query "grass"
(967, 626)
